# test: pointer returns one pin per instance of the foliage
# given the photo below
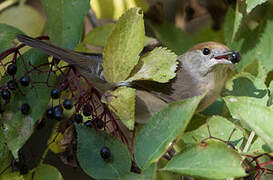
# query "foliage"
(99, 133)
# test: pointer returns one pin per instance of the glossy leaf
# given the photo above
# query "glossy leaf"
(258, 117)
(218, 127)
(90, 142)
(19, 127)
(172, 37)
(210, 159)
(25, 18)
(46, 172)
(122, 102)
(65, 21)
(122, 49)
(162, 128)
(158, 65)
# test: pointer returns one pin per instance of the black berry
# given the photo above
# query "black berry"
(5, 94)
(58, 115)
(55, 93)
(67, 104)
(12, 84)
(235, 57)
(25, 109)
(78, 118)
(58, 108)
(24, 81)
(206, 51)
(99, 124)
(87, 109)
(50, 113)
(105, 153)
(11, 70)
(88, 123)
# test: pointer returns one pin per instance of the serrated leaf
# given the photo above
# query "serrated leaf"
(99, 35)
(244, 84)
(19, 127)
(122, 49)
(162, 128)
(258, 117)
(115, 8)
(65, 21)
(210, 159)
(122, 102)
(172, 37)
(251, 4)
(25, 18)
(158, 65)
(232, 23)
(90, 142)
(46, 172)
(218, 127)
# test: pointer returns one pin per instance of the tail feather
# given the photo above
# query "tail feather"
(90, 63)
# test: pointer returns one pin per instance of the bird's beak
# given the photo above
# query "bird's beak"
(227, 57)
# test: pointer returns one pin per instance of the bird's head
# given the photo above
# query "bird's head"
(210, 56)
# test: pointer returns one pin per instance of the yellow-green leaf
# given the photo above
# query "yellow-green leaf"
(122, 49)
(158, 65)
(24, 18)
(122, 103)
(113, 9)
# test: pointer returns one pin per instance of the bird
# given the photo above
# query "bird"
(203, 68)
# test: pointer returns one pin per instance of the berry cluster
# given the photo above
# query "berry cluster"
(74, 99)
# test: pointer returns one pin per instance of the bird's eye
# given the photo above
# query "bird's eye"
(206, 51)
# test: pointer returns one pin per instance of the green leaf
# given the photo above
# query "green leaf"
(5, 155)
(251, 4)
(7, 35)
(158, 65)
(210, 159)
(122, 49)
(122, 102)
(259, 147)
(208, 34)
(232, 24)
(99, 35)
(256, 69)
(18, 127)
(219, 127)
(256, 116)
(149, 173)
(25, 18)
(89, 145)
(65, 21)
(244, 84)
(46, 172)
(172, 37)
(162, 128)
